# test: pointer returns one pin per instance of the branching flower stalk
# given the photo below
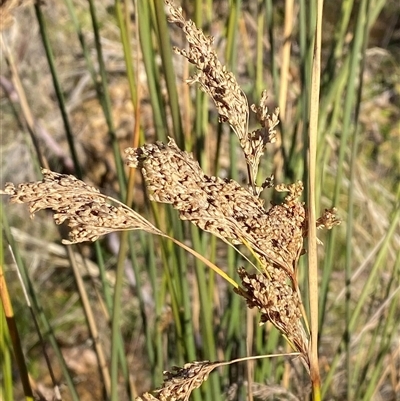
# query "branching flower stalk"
(228, 97)
(222, 207)
(180, 382)
(89, 213)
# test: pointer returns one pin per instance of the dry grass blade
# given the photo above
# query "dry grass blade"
(88, 212)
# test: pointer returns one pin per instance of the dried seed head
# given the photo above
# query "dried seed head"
(222, 87)
(222, 207)
(258, 140)
(88, 212)
(329, 219)
(180, 382)
(212, 76)
(278, 303)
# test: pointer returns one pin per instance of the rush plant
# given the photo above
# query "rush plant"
(274, 235)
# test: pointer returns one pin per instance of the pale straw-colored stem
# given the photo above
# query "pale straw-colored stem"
(312, 233)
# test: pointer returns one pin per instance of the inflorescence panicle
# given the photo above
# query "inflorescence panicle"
(88, 212)
(230, 100)
(222, 207)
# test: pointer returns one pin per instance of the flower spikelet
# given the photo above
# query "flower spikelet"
(222, 207)
(258, 140)
(329, 219)
(180, 382)
(278, 303)
(88, 212)
(219, 83)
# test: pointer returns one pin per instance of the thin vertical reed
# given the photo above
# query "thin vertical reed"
(361, 301)
(232, 30)
(270, 23)
(285, 58)
(6, 370)
(261, 16)
(166, 55)
(106, 101)
(37, 309)
(91, 321)
(206, 314)
(123, 24)
(201, 120)
(57, 88)
(280, 153)
(148, 54)
(8, 317)
(362, 30)
(312, 234)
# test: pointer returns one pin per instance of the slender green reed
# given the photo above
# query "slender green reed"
(170, 78)
(6, 387)
(39, 311)
(148, 54)
(57, 87)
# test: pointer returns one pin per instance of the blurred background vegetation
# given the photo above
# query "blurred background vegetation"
(82, 80)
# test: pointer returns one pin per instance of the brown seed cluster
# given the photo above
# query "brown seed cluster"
(278, 303)
(328, 220)
(180, 382)
(222, 207)
(221, 85)
(233, 213)
(213, 77)
(88, 212)
(257, 141)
